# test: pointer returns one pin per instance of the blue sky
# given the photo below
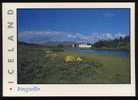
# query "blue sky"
(88, 25)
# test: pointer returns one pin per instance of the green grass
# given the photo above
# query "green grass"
(36, 66)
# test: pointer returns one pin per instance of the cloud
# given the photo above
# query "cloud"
(46, 36)
(71, 36)
(120, 35)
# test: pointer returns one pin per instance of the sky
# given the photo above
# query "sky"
(79, 25)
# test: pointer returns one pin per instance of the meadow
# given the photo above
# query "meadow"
(42, 65)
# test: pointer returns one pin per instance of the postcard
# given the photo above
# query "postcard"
(68, 49)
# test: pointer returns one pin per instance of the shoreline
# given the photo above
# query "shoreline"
(112, 49)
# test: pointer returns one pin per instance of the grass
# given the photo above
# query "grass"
(57, 49)
(36, 66)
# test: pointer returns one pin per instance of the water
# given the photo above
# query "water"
(120, 53)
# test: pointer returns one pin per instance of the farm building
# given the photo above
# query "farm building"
(82, 45)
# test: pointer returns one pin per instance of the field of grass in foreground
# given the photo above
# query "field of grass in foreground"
(40, 65)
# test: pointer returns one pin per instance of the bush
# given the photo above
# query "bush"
(60, 46)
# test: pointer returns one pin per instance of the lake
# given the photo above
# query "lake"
(120, 53)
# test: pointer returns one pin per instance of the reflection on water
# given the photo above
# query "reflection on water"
(107, 52)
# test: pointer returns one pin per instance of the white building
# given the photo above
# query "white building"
(84, 46)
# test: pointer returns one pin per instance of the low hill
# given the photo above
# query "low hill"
(118, 44)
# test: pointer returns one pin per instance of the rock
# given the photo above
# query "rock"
(72, 59)
(52, 56)
(69, 59)
(79, 59)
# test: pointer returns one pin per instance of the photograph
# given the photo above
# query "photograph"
(73, 46)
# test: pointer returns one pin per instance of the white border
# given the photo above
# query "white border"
(63, 89)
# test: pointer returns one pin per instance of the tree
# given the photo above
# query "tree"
(60, 45)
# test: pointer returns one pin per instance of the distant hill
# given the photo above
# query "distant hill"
(54, 43)
(29, 44)
(49, 44)
(25, 43)
(120, 43)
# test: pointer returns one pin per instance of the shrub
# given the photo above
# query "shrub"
(60, 46)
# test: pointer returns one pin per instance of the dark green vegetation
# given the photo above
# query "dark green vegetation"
(56, 49)
(116, 44)
(42, 65)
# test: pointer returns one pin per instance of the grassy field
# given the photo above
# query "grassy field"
(41, 65)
